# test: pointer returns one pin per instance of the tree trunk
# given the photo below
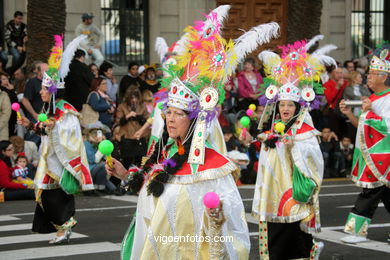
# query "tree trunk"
(304, 19)
(45, 18)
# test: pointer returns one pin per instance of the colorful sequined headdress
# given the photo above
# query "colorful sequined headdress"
(294, 75)
(381, 59)
(58, 64)
(203, 63)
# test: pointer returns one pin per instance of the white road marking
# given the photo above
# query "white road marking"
(60, 250)
(252, 186)
(129, 198)
(324, 195)
(15, 227)
(380, 205)
(8, 218)
(20, 239)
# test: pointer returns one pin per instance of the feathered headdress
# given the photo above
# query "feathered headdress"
(294, 75)
(203, 63)
(381, 58)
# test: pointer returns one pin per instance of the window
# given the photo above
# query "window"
(124, 24)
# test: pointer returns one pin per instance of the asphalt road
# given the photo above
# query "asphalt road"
(102, 222)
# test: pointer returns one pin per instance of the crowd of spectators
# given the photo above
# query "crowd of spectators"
(120, 111)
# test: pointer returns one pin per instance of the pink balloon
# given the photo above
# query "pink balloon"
(249, 112)
(15, 106)
(211, 200)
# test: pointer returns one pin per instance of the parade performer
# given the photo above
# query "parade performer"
(371, 159)
(63, 166)
(290, 167)
(183, 165)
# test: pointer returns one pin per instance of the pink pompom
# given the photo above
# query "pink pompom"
(249, 112)
(211, 200)
(15, 106)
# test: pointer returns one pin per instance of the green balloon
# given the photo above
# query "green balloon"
(42, 117)
(245, 121)
(160, 105)
(106, 147)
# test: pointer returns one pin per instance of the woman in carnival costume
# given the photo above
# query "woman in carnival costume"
(183, 166)
(371, 158)
(290, 163)
(63, 165)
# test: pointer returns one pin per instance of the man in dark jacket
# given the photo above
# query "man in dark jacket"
(15, 31)
(78, 81)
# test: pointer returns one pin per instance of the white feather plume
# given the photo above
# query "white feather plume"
(68, 54)
(250, 40)
(266, 56)
(313, 41)
(325, 49)
(222, 12)
(324, 59)
(161, 47)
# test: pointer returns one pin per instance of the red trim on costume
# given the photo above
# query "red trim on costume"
(374, 97)
(382, 163)
(213, 160)
(77, 165)
(286, 196)
(367, 175)
(372, 136)
(304, 128)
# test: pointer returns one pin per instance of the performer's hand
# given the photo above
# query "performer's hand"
(216, 214)
(118, 171)
(346, 110)
(287, 140)
(23, 121)
(49, 124)
(367, 105)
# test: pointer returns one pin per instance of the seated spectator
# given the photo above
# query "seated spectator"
(151, 83)
(12, 190)
(130, 79)
(14, 34)
(231, 141)
(342, 157)
(101, 102)
(20, 171)
(19, 81)
(355, 90)
(105, 71)
(29, 149)
(5, 114)
(94, 69)
(130, 117)
(328, 145)
(94, 134)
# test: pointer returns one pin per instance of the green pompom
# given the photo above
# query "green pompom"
(244, 121)
(106, 147)
(42, 117)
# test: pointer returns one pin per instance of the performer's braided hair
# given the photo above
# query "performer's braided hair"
(271, 143)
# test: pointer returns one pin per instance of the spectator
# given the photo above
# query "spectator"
(249, 82)
(95, 38)
(94, 69)
(141, 73)
(105, 71)
(10, 90)
(328, 145)
(130, 116)
(100, 101)
(19, 81)
(15, 33)
(3, 54)
(349, 66)
(32, 100)
(34, 69)
(150, 82)
(355, 90)
(5, 114)
(147, 97)
(334, 89)
(12, 191)
(78, 81)
(20, 173)
(130, 79)
(342, 157)
(29, 149)
(231, 141)
(94, 135)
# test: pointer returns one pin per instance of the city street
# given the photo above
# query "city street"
(102, 222)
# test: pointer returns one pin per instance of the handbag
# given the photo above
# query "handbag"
(303, 187)
(88, 115)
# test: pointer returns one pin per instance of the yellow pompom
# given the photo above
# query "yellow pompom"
(252, 107)
(279, 127)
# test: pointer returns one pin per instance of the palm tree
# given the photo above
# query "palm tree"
(45, 18)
